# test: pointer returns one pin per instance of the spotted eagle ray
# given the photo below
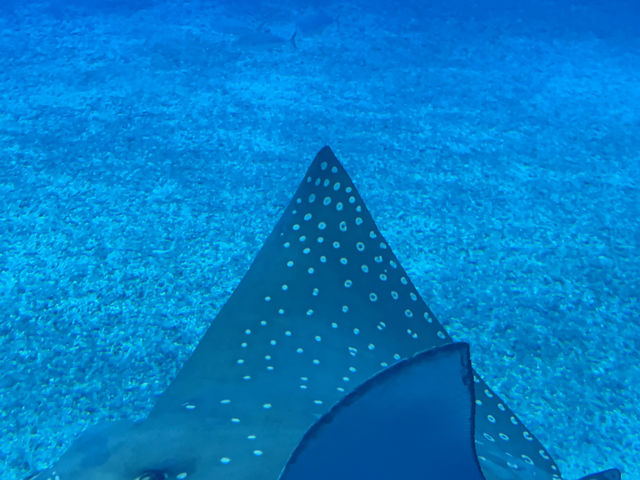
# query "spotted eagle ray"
(325, 356)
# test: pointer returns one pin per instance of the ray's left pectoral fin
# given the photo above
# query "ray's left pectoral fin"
(412, 420)
(611, 474)
(90, 449)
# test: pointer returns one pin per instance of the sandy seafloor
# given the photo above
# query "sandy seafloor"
(146, 153)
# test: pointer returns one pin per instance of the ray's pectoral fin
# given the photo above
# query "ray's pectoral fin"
(156, 448)
(611, 474)
(89, 450)
(412, 420)
(95, 446)
(92, 448)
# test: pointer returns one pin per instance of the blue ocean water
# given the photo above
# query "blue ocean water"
(148, 147)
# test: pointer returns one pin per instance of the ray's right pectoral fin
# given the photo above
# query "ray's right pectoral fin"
(611, 474)
(412, 420)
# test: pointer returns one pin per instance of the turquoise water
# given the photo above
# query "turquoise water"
(147, 148)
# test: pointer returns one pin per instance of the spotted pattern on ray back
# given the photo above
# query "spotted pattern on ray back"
(324, 306)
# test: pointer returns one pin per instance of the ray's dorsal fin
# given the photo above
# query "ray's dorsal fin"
(413, 420)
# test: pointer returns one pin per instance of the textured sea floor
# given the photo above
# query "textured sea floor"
(146, 154)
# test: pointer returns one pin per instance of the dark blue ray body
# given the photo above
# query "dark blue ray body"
(325, 306)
